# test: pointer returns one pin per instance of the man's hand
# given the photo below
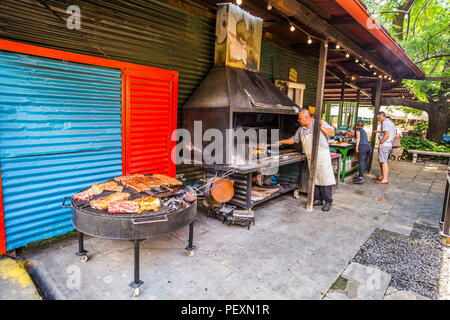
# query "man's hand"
(357, 150)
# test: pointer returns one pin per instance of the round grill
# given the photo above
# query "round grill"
(131, 226)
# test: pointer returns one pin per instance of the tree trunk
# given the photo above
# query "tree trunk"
(400, 17)
(438, 121)
(438, 114)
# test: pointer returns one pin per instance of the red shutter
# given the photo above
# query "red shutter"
(150, 118)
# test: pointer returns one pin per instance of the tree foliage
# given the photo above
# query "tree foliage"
(422, 27)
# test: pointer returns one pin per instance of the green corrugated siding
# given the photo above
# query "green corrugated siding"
(275, 64)
(144, 32)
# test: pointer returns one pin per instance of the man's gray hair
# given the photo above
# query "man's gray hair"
(306, 111)
(381, 113)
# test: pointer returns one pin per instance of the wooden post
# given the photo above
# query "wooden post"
(375, 120)
(316, 129)
(358, 96)
(341, 105)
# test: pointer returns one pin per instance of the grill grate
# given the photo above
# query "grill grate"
(84, 206)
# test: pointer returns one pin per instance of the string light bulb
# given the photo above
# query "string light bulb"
(356, 60)
(292, 27)
(385, 76)
(371, 66)
(269, 6)
(347, 55)
(380, 76)
(392, 80)
(309, 40)
(375, 73)
(353, 77)
(238, 2)
(338, 46)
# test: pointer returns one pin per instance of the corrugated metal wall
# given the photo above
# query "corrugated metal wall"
(275, 64)
(60, 131)
(148, 32)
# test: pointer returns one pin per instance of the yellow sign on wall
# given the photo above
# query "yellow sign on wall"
(292, 74)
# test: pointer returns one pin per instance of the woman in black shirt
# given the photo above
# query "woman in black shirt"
(363, 149)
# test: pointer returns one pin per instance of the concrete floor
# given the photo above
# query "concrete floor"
(288, 254)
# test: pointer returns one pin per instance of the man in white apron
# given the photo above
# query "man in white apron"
(325, 176)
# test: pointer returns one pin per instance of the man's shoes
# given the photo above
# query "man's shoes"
(326, 206)
(358, 180)
(317, 202)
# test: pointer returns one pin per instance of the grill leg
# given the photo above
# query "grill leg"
(81, 252)
(136, 283)
(190, 246)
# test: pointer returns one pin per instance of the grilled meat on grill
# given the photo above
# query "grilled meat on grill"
(166, 180)
(102, 203)
(148, 203)
(142, 183)
(94, 190)
(112, 186)
(123, 207)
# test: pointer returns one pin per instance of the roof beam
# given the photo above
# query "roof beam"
(351, 85)
(292, 8)
(342, 21)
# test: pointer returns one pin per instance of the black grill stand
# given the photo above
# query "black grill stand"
(81, 252)
(137, 283)
(190, 248)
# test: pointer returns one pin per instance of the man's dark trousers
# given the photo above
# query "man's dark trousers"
(323, 193)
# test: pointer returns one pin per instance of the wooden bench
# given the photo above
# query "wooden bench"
(427, 153)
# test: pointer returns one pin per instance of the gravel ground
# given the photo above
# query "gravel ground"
(418, 263)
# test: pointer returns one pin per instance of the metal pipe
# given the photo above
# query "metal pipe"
(446, 214)
(191, 246)
(81, 251)
(136, 261)
(80, 242)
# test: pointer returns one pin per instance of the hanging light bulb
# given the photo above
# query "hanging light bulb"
(371, 66)
(385, 76)
(375, 73)
(238, 2)
(353, 77)
(338, 46)
(389, 78)
(269, 6)
(392, 80)
(292, 27)
(347, 55)
(309, 40)
(356, 60)
(380, 76)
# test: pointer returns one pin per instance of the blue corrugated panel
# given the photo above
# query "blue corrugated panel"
(60, 131)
